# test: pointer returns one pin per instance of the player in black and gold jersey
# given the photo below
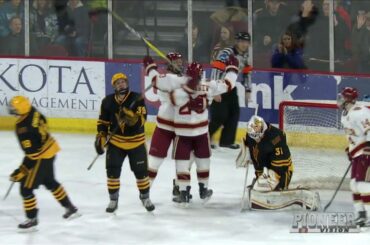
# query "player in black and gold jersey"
(38, 164)
(269, 152)
(121, 120)
(266, 147)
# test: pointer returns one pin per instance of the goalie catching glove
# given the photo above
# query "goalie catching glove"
(100, 140)
(19, 174)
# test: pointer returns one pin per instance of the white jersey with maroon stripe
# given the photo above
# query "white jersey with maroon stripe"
(166, 83)
(356, 125)
(193, 123)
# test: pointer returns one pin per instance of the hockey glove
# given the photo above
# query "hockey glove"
(191, 85)
(198, 104)
(232, 64)
(149, 64)
(100, 140)
(19, 174)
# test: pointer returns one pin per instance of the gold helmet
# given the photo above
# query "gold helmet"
(117, 76)
(256, 127)
(19, 105)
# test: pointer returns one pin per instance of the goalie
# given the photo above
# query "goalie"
(265, 146)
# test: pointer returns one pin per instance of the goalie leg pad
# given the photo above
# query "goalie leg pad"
(244, 156)
(284, 200)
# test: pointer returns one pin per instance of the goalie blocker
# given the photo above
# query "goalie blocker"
(266, 148)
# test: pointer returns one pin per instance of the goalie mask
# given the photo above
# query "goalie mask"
(19, 105)
(348, 96)
(120, 83)
(256, 128)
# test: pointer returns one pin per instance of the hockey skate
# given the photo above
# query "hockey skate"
(204, 193)
(112, 206)
(176, 190)
(28, 226)
(71, 213)
(148, 205)
(184, 197)
(361, 219)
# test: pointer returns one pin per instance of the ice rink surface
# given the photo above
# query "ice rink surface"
(217, 222)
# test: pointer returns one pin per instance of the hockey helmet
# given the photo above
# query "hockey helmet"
(172, 56)
(19, 105)
(256, 127)
(117, 76)
(243, 35)
(347, 95)
(194, 70)
(175, 64)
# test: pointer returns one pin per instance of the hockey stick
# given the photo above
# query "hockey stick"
(246, 176)
(242, 203)
(8, 191)
(336, 191)
(132, 30)
(139, 98)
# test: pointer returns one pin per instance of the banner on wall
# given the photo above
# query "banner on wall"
(58, 88)
(74, 89)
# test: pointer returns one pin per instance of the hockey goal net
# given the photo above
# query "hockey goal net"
(317, 141)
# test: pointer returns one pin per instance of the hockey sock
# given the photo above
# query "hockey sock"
(29, 204)
(143, 185)
(113, 185)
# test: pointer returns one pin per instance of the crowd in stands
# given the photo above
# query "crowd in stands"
(59, 27)
(292, 34)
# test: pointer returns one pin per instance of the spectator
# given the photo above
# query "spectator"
(14, 41)
(361, 41)
(226, 39)
(288, 54)
(270, 23)
(301, 22)
(200, 50)
(7, 11)
(43, 25)
(317, 40)
(75, 34)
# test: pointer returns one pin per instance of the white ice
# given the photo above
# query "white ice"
(218, 222)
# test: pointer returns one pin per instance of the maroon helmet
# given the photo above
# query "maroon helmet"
(194, 70)
(347, 95)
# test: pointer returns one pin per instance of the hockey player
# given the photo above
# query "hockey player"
(265, 146)
(225, 108)
(164, 131)
(191, 126)
(122, 117)
(356, 123)
(37, 167)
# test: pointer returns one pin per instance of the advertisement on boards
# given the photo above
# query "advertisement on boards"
(57, 88)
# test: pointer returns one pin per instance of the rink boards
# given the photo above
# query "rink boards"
(69, 93)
